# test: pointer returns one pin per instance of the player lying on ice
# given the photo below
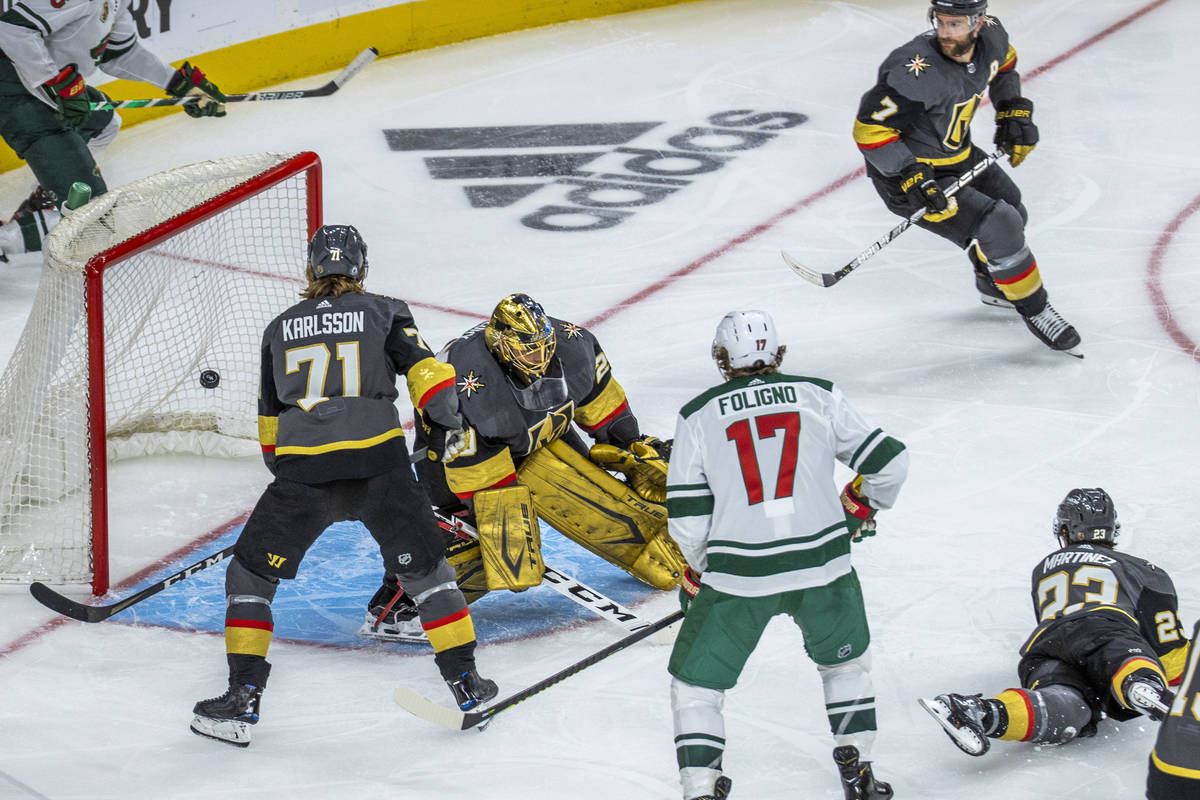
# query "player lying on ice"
(1107, 644)
(525, 382)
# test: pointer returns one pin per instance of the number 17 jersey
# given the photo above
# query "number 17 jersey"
(751, 496)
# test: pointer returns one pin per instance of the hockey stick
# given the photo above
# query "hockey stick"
(564, 584)
(456, 719)
(85, 613)
(828, 279)
(353, 68)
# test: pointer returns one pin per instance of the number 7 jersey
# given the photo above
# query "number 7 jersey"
(751, 496)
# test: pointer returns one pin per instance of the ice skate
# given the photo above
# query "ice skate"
(989, 292)
(39, 200)
(1147, 695)
(228, 718)
(961, 716)
(399, 624)
(470, 690)
(858, 781)
(1053, 331)
(720, 790)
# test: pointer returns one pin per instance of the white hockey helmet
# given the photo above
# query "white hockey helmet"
(746, 342)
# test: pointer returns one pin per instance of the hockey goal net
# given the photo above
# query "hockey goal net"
(144, 338)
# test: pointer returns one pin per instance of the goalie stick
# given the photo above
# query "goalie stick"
(85, 613)
(456, 719)
(827, 279)
(353, 68)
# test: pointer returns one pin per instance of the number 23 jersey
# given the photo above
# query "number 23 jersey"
(1084, 578)
(751, 497)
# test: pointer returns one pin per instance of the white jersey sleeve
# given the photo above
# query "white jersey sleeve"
(751, 497)
(41, 38)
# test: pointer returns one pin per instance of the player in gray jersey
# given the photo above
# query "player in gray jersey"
(751, 500)
(48, 49)
(1107, 644)
(331, 436)
(1175, 759)
(914, 129)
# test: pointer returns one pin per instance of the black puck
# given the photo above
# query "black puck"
(210, 378)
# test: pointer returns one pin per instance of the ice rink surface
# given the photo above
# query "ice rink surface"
(999, 427)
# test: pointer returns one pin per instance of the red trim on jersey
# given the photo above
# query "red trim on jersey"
(511, 478)
(269, 448)
(624, 405)
(437, 387)
(877, 144)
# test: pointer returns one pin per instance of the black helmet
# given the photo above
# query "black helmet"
(958, 8)
(338, 250)
(1087, 516)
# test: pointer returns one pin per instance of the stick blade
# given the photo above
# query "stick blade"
(811, 275)
(356, 66)
(65, 605)
(420, 706)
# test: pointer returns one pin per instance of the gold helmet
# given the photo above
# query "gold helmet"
(521, 337)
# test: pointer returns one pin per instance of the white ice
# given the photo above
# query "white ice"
(998, 426)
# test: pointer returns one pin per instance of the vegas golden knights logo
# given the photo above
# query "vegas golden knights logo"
(552, 427)
(960, 123)
(275, 561)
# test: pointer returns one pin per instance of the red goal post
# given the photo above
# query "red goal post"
(144, 338)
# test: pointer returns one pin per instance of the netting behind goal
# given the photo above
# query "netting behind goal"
(145, 329)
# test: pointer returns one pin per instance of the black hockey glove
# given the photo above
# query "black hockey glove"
(69, 92)
(918, 184)
(189, 80)
(1016, 134)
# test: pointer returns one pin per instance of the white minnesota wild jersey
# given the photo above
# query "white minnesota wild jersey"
(751, 497)
(41, 37)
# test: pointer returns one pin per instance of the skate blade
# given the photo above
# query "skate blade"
(995, 302)
(229, 731)
(391, 634)
(970, 742)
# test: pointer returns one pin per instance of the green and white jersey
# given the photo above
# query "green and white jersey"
(41, 37)
(751, 497)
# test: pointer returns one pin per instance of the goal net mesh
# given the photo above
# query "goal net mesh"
(184, 268)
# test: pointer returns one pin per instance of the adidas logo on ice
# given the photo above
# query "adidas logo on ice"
(618, 178)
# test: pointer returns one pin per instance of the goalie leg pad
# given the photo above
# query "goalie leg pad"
(594, 509)
(509, 538)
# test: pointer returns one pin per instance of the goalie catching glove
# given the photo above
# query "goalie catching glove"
(860, 517)
(1016, 134)
(188, 81)
(644, 465)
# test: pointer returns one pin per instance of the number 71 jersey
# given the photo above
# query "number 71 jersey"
(751, 496)
(1084, 578)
